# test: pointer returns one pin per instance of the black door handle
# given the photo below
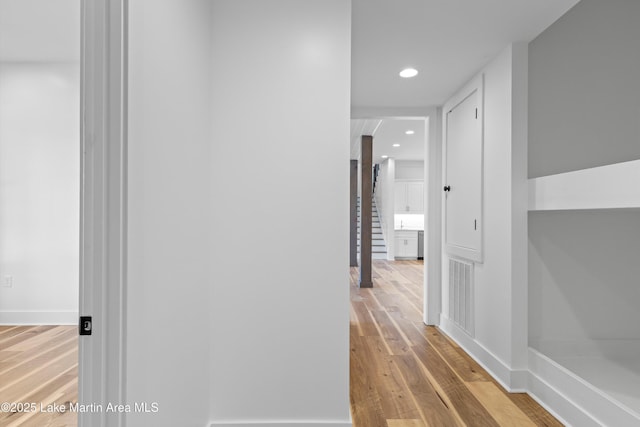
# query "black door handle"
(447, 188)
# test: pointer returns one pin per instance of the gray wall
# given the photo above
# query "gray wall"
(584, 111)
(584, 89)
(583, 275)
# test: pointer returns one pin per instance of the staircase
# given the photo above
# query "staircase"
(378, 246)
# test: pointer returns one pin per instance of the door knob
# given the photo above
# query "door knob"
(447, 188)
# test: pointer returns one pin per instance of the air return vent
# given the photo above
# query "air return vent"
(461, 295)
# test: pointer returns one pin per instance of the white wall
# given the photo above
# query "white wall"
(169, 212)
(40, 31)
(236, 312)
(39, 191)
(409, 221)
(279, 308)
(500, 281)
(492, 278)
(410, 169)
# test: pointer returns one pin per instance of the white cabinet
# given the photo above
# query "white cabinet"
(463, 174)
(406, 244)
(409, 197)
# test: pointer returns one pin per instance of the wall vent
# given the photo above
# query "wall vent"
(461, 295)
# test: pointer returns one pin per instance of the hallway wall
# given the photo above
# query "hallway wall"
(239, 112)
(499, 282)
(169, 212)
(279, 308)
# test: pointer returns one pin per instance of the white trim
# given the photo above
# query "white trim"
(287, 423)
(574, 399)
(432, 197)
(35, 317)
(514, 381)
(568, 397)
(538, 387)
(519, 337)
(103, 208)
(612, 186)
(433, 219)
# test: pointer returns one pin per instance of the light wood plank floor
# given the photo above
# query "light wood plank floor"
(406, 374)
(38, 364)
(403, 374)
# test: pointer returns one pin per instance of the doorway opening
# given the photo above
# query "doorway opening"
(39, 209)
(406, 195)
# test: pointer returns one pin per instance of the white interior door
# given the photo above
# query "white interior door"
(463, 180)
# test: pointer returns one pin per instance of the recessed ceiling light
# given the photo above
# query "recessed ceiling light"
(410, 132)
(408, 72)
(396, 145)
(385, 157)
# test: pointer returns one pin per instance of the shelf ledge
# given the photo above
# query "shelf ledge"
(615, 186)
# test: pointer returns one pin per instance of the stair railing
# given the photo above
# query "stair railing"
(376, 171)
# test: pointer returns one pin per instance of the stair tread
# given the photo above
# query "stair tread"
(378, 245)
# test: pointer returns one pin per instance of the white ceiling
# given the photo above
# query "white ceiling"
(39, 30)
(447, 41)
(392, 131)
(387, 132)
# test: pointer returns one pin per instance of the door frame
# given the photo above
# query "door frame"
(103, 203)
(433, 198)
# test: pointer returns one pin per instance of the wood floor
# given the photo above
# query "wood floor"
(38, 365)
(405, 374)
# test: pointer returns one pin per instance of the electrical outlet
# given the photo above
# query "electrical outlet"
(7, 282)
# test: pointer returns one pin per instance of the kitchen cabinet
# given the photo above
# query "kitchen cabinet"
(409, 197)
(406, 244)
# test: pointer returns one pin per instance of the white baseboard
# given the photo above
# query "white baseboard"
(285, 423)
(514, 381)
(569, 398)
(38, 317)
(573, 400)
